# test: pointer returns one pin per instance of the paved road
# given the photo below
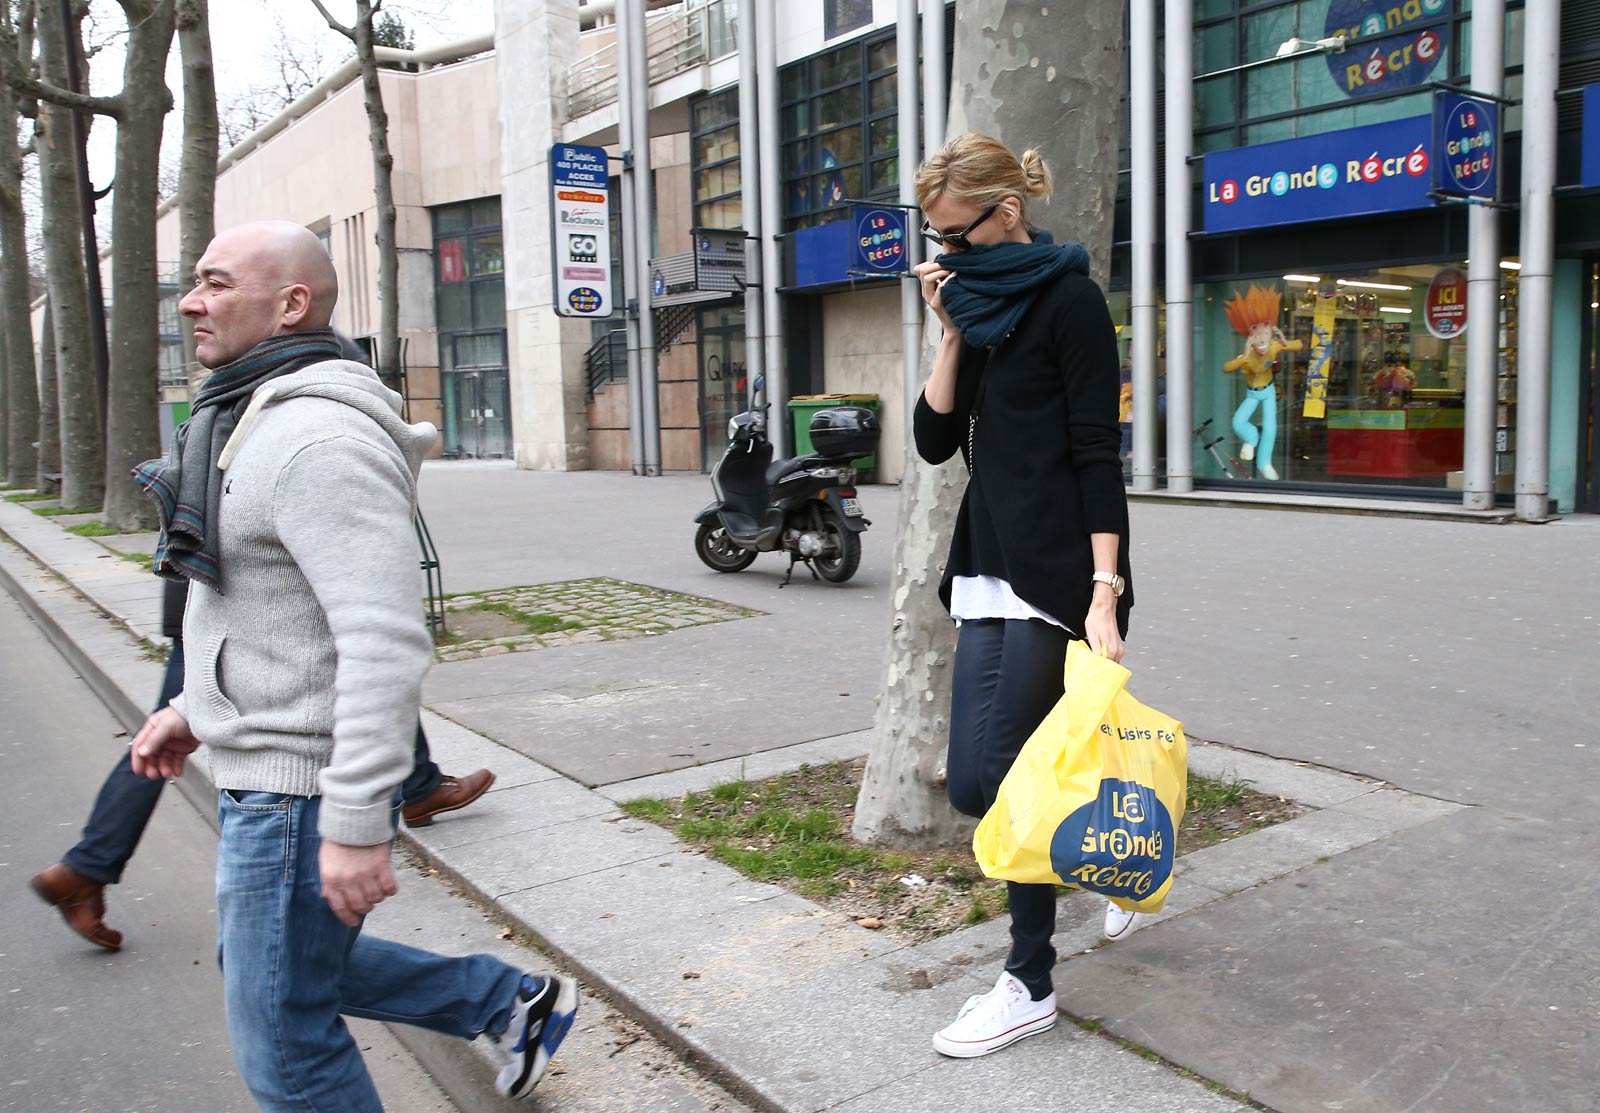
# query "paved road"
(143, 1030)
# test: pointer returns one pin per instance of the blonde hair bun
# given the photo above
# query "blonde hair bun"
(1037, 174)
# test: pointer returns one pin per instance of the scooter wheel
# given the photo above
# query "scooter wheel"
(716, 550)
(842, 563)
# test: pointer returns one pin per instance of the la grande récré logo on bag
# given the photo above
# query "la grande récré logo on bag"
(1120, 844)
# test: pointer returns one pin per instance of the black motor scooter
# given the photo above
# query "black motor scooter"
(806, 507)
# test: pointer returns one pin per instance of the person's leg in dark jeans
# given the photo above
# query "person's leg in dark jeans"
(1008, 677)
(429, 791)
(116, 823)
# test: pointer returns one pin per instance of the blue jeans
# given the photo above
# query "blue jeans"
(125, 804)
(1008, 677)
(290, 968)
(127, 801)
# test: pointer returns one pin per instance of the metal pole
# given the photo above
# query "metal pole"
(643, 207)
(91, 244)
(635, 289)
(1483, 282)
(777, 392)
(1142, 153)
(1180, 286)
(750, 202)
(1536, 284)
(905, 45)
(935, 87)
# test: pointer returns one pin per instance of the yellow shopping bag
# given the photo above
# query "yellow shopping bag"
(1095, 798)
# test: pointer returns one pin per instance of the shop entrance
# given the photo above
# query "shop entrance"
(477, 400)
(1588, 495)
(724, 389)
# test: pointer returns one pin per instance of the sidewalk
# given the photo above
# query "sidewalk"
(1323, 967)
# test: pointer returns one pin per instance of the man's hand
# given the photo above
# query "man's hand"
(162, 745)
(355, 879)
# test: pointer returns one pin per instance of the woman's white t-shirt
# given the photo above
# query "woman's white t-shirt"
(975, 597)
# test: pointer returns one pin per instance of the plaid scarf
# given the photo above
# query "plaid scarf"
(996, 283)
(186, 486)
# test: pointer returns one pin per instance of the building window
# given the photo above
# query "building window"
(839, 131)
(840, 17)
(714, 160)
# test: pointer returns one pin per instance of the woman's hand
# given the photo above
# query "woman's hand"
(1100, 627)
(933, 277)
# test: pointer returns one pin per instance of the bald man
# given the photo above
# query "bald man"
(286, 503)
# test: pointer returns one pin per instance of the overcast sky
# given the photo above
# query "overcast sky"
(241, 34)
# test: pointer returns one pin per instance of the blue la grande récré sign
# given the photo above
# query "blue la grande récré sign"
(1378, 168)
(1589, 172)
(1402, 60)
(880, 243)
(1466, 145)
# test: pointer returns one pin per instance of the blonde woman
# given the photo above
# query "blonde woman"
(1025, 387)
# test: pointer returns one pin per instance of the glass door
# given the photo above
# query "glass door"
(724, 389)
(1589, 392)
(477, 398)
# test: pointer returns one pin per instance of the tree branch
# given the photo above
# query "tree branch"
(12, 75)
(347, 32)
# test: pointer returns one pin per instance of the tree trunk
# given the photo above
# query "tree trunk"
(49, 463)
(82, 450)
(21, 388)
(1018, 78)
(133, 433)
(383, 188)
(197, 180)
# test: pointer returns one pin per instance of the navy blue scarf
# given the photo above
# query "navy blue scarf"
(995, 283)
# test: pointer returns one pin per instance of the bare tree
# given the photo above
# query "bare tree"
(78, 387)
(300, 65)
(21, 389)
(361, 34)
(140, 109)
(1017, 77)
(197, 190)
(49, 462)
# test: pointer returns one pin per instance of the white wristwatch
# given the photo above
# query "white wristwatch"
(1117, 583)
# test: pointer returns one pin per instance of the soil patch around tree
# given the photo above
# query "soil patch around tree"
(794, 830)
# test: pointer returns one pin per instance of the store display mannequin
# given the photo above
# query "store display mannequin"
(1254, 316)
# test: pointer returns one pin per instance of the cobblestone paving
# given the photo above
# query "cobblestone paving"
(543, 616)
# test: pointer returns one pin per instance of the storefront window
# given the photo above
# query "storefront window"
(1342, 378)
(714, 160)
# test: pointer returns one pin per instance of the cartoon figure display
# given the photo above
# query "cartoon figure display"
(1253, 316)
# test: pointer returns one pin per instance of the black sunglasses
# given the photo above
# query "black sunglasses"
(957, 240)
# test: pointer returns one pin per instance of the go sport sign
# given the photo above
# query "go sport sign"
(1403, 59)
(1379, 168)
(580, 240)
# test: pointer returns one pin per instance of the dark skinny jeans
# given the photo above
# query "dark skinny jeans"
(1008, 677)
(127, 801)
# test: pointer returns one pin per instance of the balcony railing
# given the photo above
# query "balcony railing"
(679, 39)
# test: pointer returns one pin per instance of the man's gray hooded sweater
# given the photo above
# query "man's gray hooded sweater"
(304, 675)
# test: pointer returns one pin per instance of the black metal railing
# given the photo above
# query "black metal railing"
(607, 360)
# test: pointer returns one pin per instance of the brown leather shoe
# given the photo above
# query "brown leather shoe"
(81, 902)
(452, 793)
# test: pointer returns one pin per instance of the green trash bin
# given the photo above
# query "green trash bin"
(802, 406)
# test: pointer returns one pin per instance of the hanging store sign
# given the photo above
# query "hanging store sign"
(880, 240)
(1379, 168)
(1402, 60)
(719, 259)
(1589, 172)
(1324, 319)
(580, 241)
(1445, 310)
(1466, 146)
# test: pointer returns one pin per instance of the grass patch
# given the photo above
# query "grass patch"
(93, 529)
(536, 623)
(63, 511)
(794, 830)
(147, 561)
(31, 496)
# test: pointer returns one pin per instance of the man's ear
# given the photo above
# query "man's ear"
(296, 304)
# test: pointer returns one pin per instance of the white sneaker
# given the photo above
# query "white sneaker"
(1266, 470)
(990, 1021)
(1120, 923)
(1247, 451)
